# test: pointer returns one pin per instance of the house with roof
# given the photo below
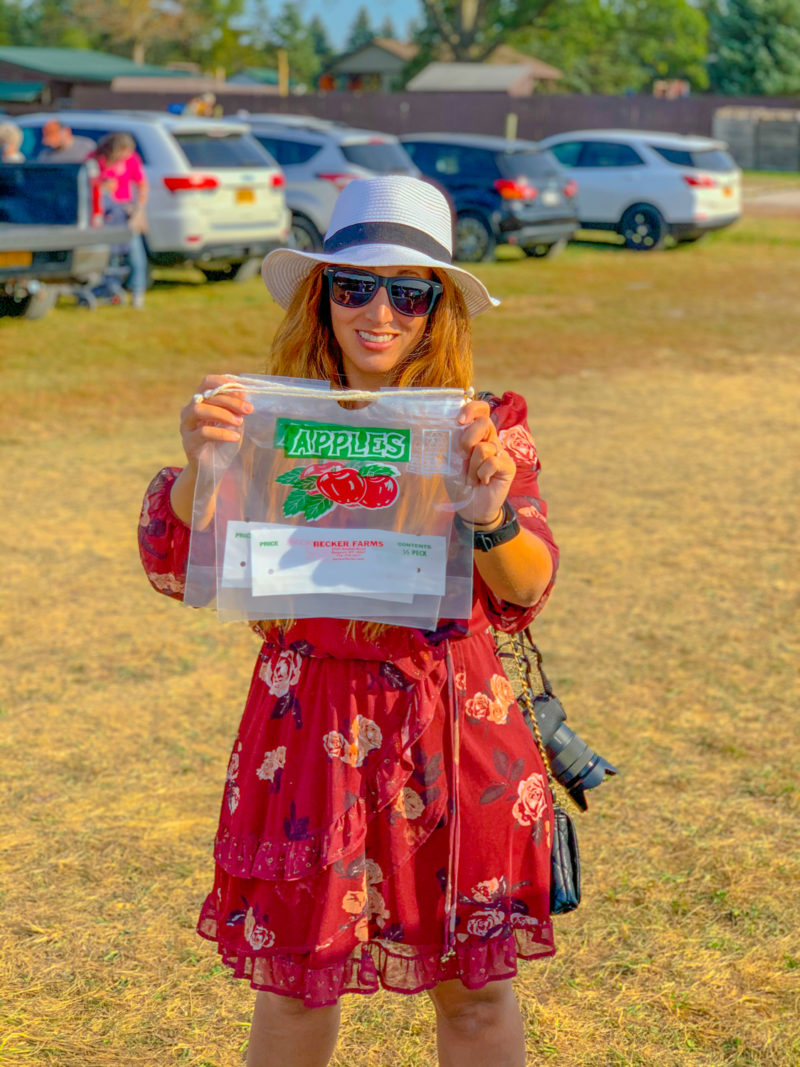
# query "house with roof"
(375, 67)
(505, 71)
(48, 76)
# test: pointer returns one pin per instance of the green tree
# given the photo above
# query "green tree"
(755, 46)
(289, 32)
(361, 31)
(469, 30)
(615, 46)
(320, 39)
(387, 29)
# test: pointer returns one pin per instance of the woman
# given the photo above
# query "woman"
(401, 865)
(10, 143)
(124, 191)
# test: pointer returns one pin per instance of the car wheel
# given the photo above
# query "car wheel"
(539, 251)
(234, 272)
(304, 235)
(474, 239)
(40, 302)
(643, 228)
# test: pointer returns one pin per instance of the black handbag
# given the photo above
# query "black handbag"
(565, 862)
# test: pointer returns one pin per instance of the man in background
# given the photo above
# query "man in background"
(60, 145)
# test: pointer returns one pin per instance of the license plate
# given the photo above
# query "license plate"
(549, 197)
(16, 259)
(245, 196)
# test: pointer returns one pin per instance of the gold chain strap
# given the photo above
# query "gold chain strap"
(523, 666)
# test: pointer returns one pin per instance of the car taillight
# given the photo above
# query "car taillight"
(571, 188)
(278, 181)
(515, 190)
(191, 183)
(339, 180)
(701, 181)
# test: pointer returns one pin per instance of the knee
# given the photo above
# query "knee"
(471, 1011)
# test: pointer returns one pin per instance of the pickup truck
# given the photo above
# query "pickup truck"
(48, 244)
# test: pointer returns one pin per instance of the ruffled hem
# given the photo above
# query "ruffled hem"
(380, 963)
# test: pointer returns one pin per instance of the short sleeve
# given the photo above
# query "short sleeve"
(163, 538)
(135, 168)
(510, 415)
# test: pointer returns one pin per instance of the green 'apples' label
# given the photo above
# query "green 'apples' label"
(303, 439)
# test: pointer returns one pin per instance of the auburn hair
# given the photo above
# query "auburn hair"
(305, 347)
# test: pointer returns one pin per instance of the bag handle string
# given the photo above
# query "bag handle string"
(266, 387)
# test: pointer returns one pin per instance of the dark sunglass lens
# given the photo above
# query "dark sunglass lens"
(351, 288)
(411, 297)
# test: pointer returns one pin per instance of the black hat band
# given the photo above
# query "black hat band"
(389, 233)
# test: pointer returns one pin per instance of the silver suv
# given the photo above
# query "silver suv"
(216, 197)
(319, 158)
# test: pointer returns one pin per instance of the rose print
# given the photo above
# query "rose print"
(488, 891)
(273, 762)
(477, 707)
(374, 873)
(281, 673)
(461, 681)
(335, 744)
(518, 442)
(485, 923)
(376, 905)
(531, 800)
(408, 804)
(502, 689)
(498, 713)
(256, 934)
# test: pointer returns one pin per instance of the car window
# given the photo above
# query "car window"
(609, 154)
(221, 151)
(424, 154)
(287, 153)
(32, 139)
(538, 164)
(384, 157)
(704, 159)
(567, 153)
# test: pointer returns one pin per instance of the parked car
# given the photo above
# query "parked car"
(216, 197)
(319, 158)
(504, 192)
(650, 186)
(47, 242)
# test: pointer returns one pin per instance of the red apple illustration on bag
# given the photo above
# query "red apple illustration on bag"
(316, 470)
(381, 491)
(344, 486)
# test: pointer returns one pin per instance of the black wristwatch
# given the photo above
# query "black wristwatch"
(483, 541)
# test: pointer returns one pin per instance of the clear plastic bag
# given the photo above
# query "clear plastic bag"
(329, 510)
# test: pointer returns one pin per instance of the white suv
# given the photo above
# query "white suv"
(216, 196)
(648, 186)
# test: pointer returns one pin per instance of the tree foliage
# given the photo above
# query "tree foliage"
(361, 31)
(470, 30)
(755, 46)
(616, 46)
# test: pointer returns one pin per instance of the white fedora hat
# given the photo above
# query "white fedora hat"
(389, 221)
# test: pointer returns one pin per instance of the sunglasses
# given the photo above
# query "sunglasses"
(351, 288)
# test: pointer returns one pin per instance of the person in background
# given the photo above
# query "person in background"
(124, 191)
(10, 141)
(60, 145)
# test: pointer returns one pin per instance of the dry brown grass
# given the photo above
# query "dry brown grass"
(664, 395)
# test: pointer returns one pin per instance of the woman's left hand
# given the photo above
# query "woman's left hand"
(490, 469)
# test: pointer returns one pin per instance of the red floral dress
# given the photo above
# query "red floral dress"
(386, 818)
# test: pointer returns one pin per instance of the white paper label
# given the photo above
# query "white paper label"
(236, 570)
(292, 560)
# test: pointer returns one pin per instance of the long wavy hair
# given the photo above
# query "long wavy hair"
(305, 347)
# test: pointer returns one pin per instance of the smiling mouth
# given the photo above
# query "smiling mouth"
(376, 338)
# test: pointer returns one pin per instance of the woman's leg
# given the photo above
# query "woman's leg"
(479, 1027)
(137, 279)
(285, 1032)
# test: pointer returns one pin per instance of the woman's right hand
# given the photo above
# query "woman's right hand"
(218, 419)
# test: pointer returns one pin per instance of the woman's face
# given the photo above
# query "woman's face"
(375, 338)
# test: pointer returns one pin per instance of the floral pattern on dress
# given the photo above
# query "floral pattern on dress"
(338, 884)
(272, 766)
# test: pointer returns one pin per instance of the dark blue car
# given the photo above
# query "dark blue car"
(504, 192)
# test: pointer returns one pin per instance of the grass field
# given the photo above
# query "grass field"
(664, 393)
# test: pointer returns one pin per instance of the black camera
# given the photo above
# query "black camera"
(573, 763)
